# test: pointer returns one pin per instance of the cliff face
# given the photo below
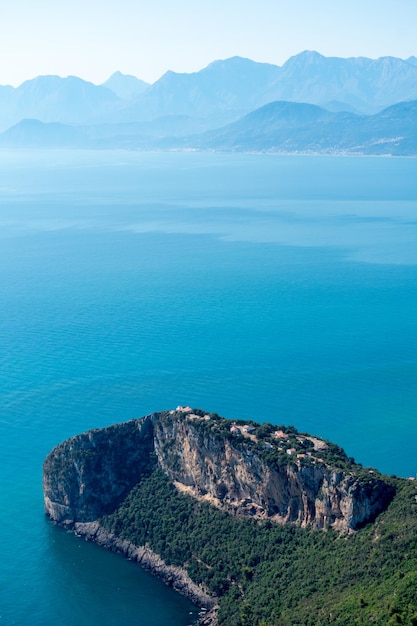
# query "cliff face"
(88, 476)
(235, 476)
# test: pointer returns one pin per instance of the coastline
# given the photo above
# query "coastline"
(171, 575)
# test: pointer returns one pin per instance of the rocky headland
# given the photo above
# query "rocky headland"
(262, 472)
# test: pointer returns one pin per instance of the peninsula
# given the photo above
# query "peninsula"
(257, 523)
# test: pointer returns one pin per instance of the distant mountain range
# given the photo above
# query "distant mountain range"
(310, 104)
(290, 127)
(283, 127)
(53, 99)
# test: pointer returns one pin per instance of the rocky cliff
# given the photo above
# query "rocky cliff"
(248, 470)
(88, 475)
(234, 470)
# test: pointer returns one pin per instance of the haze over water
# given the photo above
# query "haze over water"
(280, 289)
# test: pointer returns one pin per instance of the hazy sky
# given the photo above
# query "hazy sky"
(94, 38)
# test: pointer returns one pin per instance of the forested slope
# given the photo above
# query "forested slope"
(268, 574)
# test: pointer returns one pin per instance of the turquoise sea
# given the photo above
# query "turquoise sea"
(274, 288)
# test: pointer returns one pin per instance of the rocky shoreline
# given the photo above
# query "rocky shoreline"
(171, 575)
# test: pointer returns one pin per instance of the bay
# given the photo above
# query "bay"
(273, 288)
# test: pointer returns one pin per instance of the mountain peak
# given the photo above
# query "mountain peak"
(125, 86)
(237, 63)
(307, 56)
(235, 60)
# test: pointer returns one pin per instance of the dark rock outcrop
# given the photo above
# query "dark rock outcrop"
(88, 475)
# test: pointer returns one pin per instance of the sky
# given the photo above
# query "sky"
(94, 38)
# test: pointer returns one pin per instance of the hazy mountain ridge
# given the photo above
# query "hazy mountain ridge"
(299, 127)
(68, 100)
(312, 104)
(220, 93)
(366, 84)
(231, 85)
(283, 127)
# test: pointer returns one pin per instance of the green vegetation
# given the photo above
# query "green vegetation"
(272, 575)
(274, 450)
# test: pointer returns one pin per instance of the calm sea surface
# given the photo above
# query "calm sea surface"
(281, 289)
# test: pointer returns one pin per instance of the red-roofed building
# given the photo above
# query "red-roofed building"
(184, 409)
(279, 434)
